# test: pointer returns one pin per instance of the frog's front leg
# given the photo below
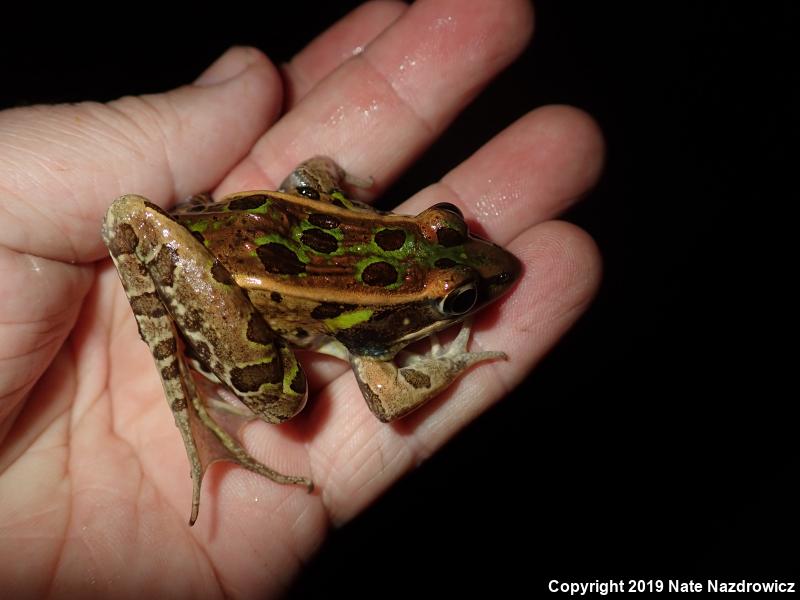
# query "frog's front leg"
(392, 392)
(320, 178)
(174, 283)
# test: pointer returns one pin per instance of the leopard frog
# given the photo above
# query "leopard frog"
(226, 289)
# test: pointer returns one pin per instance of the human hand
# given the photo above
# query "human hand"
(93, 475)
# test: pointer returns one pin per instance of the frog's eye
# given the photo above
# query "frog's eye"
(449, 208)
(460, 301)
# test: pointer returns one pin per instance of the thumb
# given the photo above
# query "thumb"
(61, 166)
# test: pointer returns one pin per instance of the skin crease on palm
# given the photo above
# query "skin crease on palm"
(94, 485)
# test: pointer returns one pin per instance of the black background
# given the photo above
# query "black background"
(658, 440)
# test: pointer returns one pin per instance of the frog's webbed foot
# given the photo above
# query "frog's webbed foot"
(392, 392)
(215, 425)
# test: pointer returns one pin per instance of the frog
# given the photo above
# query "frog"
(225, 291)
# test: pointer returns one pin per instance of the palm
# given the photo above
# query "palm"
(93, 467)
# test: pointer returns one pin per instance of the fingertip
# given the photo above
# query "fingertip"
(232, 63)
(564, 269)
(582, 138)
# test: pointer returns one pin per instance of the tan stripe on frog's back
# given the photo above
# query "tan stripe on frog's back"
(300, 248)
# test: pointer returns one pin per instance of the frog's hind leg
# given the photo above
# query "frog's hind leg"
(160, 264)
(320, 178)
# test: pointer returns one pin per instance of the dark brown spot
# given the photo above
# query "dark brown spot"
(323, 221)
(148, 304)
(379, 274)
(247, 202)
(447, 236)
(298, 384)
(161, 267)
(337, 202)
(445, 263)
(199, 237)
(275, 297)
(179, 405)
(278, 259)
(124, 240)
(258, 331)
(301, 333)
(221, 274)
(203, 351)
(165, 348)
(197, 208)
(330, 310)
(252, 377)
(157, 209)
(390, 239)
(319, 240)
(308, 192)
(171, 371)
(192, 320)
(200, 353)
(417, 379)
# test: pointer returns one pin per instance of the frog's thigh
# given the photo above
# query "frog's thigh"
(214, 315)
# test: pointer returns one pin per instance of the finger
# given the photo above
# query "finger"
(343, 40)
(355, 458)
(532, 171)
(380, 109)
(60, 166)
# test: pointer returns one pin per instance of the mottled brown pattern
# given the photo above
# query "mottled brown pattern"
(252, 377)
(448, 237)
(417, 379)
(323, 221)
(379, 274)
(147, 304)
(247, 202)
(193, 320)
(319, 240)
(171, 371)
(124, 240)
(178, 405)
(162, 266)
(278, 259)
(258, 331)
(390, 239)
(165, 348)
(221, 274)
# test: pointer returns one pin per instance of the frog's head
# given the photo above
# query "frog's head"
(467, 271)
